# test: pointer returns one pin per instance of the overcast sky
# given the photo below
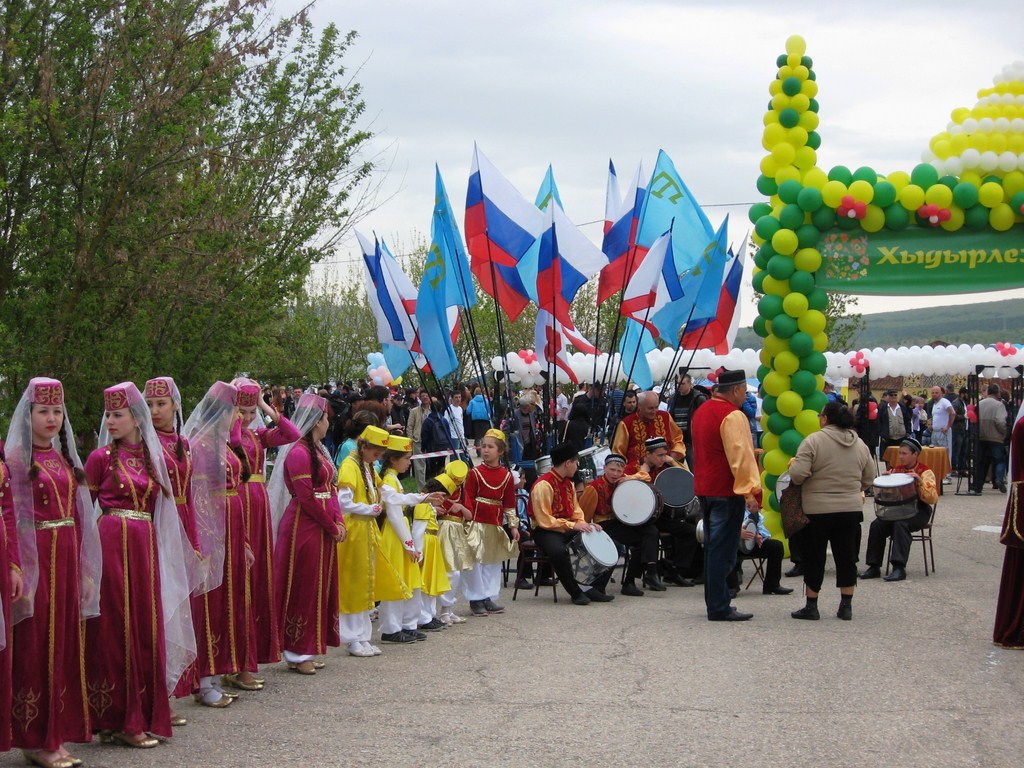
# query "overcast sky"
(575, 84)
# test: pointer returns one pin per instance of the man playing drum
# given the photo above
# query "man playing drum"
(557, 519)
(682, 545)
(634, 430)
(900, 530)
(596, 503)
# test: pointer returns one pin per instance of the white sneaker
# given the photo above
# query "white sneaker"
(359, 649)
(454, 618)
(374, 614)
(373, 649)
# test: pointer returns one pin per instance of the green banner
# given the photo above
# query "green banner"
(919, 262)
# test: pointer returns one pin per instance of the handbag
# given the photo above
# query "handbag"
(791, 508)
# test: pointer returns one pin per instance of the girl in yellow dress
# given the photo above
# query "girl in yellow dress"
(459, 551)
(432, 564)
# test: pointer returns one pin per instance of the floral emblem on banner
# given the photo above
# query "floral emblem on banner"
(845, 256)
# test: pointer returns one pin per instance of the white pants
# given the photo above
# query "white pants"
(396, 615)
(296, 658)
(411, 611)
(482, 582)
(355, 627)
(428, 608)
(449, 598)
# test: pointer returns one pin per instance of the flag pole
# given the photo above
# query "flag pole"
(497, 314)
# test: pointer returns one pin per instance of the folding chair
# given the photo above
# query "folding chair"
(531, 553)
(924, 536)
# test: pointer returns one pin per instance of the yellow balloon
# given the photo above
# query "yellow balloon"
(770, 117)
(898, 179)
(940, 195)
(809, 89)
(958, 143)
(806, 422)
(785, 71)
(805, 158)
(773, 134)
(820, 345)
(800, 103)
(773, 287)
(1013, 182)
(775, 461)
(774, 87)
(774, 345)
(955, 221)
(797, 136)
(787, 363)
(1001, 217)
(978, 141)
(832, 193)
(789, 404)
(959, 114)
(796, 45)
(971, 177)
(769, 167)
(758, 240)
(793, 62)
(874, 218)
(800, 71)
(764, 356)
(911, 197)
(807, 259)
(794, 305)
(862, 191)
(997, 143)
(814, 177)
(819, 378)
(780, 101)
(990, 195)
(769, 442)
(811, 322)
(787, 173)
(809, 120)
(784, 153)
(776, 383)
(785, 241)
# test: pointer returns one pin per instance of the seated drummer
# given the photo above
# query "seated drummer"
(681, 552)
(900, 530)
(765, 547)
(596, 502)
(557, 518)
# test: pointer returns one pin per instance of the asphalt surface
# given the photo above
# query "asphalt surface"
(913, 680)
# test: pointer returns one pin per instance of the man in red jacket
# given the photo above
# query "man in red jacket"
(727, 481)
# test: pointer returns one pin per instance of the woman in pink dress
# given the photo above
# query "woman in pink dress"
(249, 440)
(11, 587)
(308, 524)
(223, 617)
(143, 640)
(60, 562)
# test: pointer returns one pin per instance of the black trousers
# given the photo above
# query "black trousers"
(900, 531)
(841, 532)
(770, 550)
(643, 537)
(554, 545)
(682, 544)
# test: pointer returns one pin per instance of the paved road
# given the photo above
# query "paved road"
(913, 680)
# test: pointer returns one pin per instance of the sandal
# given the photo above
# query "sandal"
(136, 741)
(35, 758)
(303, 667)
(178, 721)
(233, 682)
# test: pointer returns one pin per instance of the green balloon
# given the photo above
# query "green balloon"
(824, 218)
(817, 299)
(801, 344)
(791, 216)
(965, 195)
(815, 401)
(789, 191)
(760, 327)
(769, 404)
(758, 280)
(1017, 203)
(783, 325)
(789, 441)
(924, 175)
(791, 86)
(949, 181)
(989, 178)
(814, 362)
(813, 137)
(809, 199)
(804, 383)
(767, 250)
(757, 210)
(841, 173)
(760, 261)
(885, 194)
(976, 218)
(865, 173)
(762, 370)
(789, 117)
(766, 185)
(807, 236)
(769, 306)
(766, 226)
(812, 75)
(807, 61)
(845, 222)
(780, 267)
(897, 217)
(802, 282)
(782, 61)
(770, 481)
(777, 423)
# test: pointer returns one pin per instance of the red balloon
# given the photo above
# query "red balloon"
(523, 354)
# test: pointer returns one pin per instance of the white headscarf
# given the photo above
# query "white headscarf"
(308, 412)
(19, 462)
(179, 574)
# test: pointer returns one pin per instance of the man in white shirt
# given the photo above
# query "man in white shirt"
(943, 414)
(453, 417)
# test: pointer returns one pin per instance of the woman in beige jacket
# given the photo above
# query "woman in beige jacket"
(833, 467)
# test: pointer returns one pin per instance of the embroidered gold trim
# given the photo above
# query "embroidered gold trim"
(46, 525)
(130, 514)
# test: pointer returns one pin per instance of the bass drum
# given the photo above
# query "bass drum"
(592, 554)
(675, 485)
(543, 465)
(635, 502)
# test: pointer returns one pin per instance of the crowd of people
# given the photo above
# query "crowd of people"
(269, 525)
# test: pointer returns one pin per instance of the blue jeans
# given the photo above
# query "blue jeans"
(723, 517)
(994, 455)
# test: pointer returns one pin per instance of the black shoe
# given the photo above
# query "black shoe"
(808, 612)
(973, 493)
(1001, 487)
(581, 599)
(676, 579)
(734, 593)
(871, 572)
(493, 607)
(898, 574)
(434, 625)
(477, 607)
(630, 589)
(733, 615)
(796, 570)
(845, 611)
(545, 582)
(524, 584)
(653, 583)
(779, 590)
(396, 637)
(597, 596)
(415, 634)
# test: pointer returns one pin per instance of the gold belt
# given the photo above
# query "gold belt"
(180, 500)
(452, 518)
(62, 522)
(130, 514)
(492, 502)
(229, 494)
(323, 496)
(255, 478)
(431, 533)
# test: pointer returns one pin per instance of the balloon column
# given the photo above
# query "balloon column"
(791, 317)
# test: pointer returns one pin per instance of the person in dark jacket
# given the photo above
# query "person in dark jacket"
(577, 428)
(894, 420)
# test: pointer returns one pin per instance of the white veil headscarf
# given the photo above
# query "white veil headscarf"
(207, 431)
(19, 461)
(308, 412)
(178, 575)
(248, 396)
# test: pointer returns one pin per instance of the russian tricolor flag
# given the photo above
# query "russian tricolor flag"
(622, 216)
(719, 333)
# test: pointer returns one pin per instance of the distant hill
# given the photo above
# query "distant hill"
(984, 323)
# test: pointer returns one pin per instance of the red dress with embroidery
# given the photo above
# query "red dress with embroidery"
(48, 683)
(124, 645)
(490, 494)
(305, 558)
(8, 559)
(261, 538)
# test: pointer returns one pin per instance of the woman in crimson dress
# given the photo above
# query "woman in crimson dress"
(308, 524)
(225, 631)
(60, 562)
(251, 443)
(143, 640)
(11, 586)
(1009, 626)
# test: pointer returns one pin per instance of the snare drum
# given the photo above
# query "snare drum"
(587, 463)
(592, 554)
(675, 485)
(543, 465)
(635, 502)
(895, 496)
(599, 456)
